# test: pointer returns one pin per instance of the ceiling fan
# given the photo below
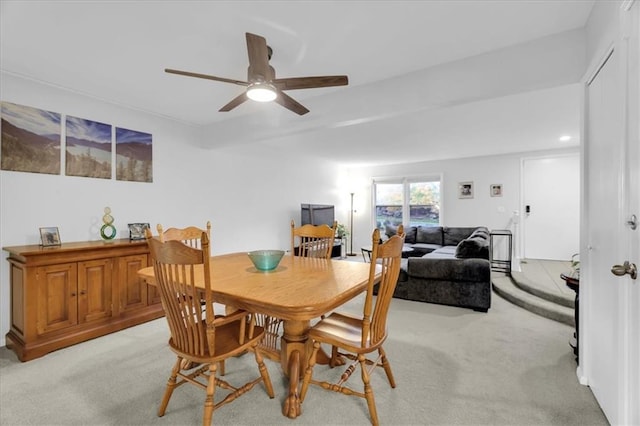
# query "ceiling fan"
(262, 84)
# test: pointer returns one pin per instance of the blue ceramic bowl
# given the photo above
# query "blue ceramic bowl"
(266, 260)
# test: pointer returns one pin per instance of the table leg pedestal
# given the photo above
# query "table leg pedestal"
(291, 406)
(293, 360)
(294, 355)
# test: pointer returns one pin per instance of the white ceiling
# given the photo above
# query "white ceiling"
(427, 79)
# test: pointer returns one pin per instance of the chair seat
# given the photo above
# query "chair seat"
(226, 345)
(343, 330)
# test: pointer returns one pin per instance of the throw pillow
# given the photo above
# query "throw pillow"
(480, 233)
(390, 230)
(472, 247)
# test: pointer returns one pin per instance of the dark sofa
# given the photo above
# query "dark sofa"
(447, 265)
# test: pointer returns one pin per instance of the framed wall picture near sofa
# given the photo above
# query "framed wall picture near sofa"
(136, 231)
(465, 190)
(49, 236)
(495, 190)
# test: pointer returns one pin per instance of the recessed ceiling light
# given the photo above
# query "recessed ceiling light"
(565, 138)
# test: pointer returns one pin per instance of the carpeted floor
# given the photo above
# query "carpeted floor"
(452, 366)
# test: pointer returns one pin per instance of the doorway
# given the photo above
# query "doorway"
(551, 207)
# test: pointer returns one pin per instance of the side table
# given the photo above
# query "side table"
(501, 264)
(574, 284)
(367, 250)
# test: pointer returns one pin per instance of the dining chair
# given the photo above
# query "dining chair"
(360, 337)
(313, 240)
(306, 241)
(197, 336)
(190, 235)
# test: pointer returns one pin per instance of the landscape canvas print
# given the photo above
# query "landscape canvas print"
(30, 139)
(88, 148)
(133, 156)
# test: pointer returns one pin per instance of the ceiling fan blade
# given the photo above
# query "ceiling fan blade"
(234, 102)
(289, 103)
(258, 58)
(206, 76)
(310, 82)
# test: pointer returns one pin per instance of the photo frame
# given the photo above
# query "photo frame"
(136, 231)
(495, 190)
(465, 190)
(49, 236)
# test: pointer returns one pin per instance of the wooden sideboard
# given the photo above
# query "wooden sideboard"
(66, 294)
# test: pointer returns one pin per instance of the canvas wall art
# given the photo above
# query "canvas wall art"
(30, 139)
(133, 156)
(88, 148)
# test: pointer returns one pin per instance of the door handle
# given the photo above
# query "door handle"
(626, 268)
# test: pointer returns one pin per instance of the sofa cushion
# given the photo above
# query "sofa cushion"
(442, 252)
(403, 271)
(420, 248)
(453, 236)
(449, 269)
(429, 235)
(475, 247)
(410, 235)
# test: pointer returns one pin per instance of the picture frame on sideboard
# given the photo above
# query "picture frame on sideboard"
(49, 236)
(136, 231)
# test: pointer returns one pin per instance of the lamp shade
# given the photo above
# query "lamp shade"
(261, 92)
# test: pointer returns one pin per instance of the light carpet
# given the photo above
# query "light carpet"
(452, 366)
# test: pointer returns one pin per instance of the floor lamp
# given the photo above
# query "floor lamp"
(351, 253)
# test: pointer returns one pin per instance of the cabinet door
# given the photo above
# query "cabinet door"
(154, 295)
(133, 290)
(94, 290)
(57, 297)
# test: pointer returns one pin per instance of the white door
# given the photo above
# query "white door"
(551, 207)
(610, 305)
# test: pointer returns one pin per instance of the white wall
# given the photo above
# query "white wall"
(249, 197)
(482, 210)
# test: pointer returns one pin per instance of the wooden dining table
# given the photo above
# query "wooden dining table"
(297, 291)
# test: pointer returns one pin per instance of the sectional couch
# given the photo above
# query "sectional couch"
(447, 265)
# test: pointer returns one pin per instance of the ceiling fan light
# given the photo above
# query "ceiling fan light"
(261, 92)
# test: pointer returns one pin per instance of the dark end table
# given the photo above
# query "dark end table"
(574, 284)
(367, 250)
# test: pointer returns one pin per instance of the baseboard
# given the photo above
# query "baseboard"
(582, 378)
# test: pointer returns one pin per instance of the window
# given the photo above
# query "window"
(412, 202)
(424, 203)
